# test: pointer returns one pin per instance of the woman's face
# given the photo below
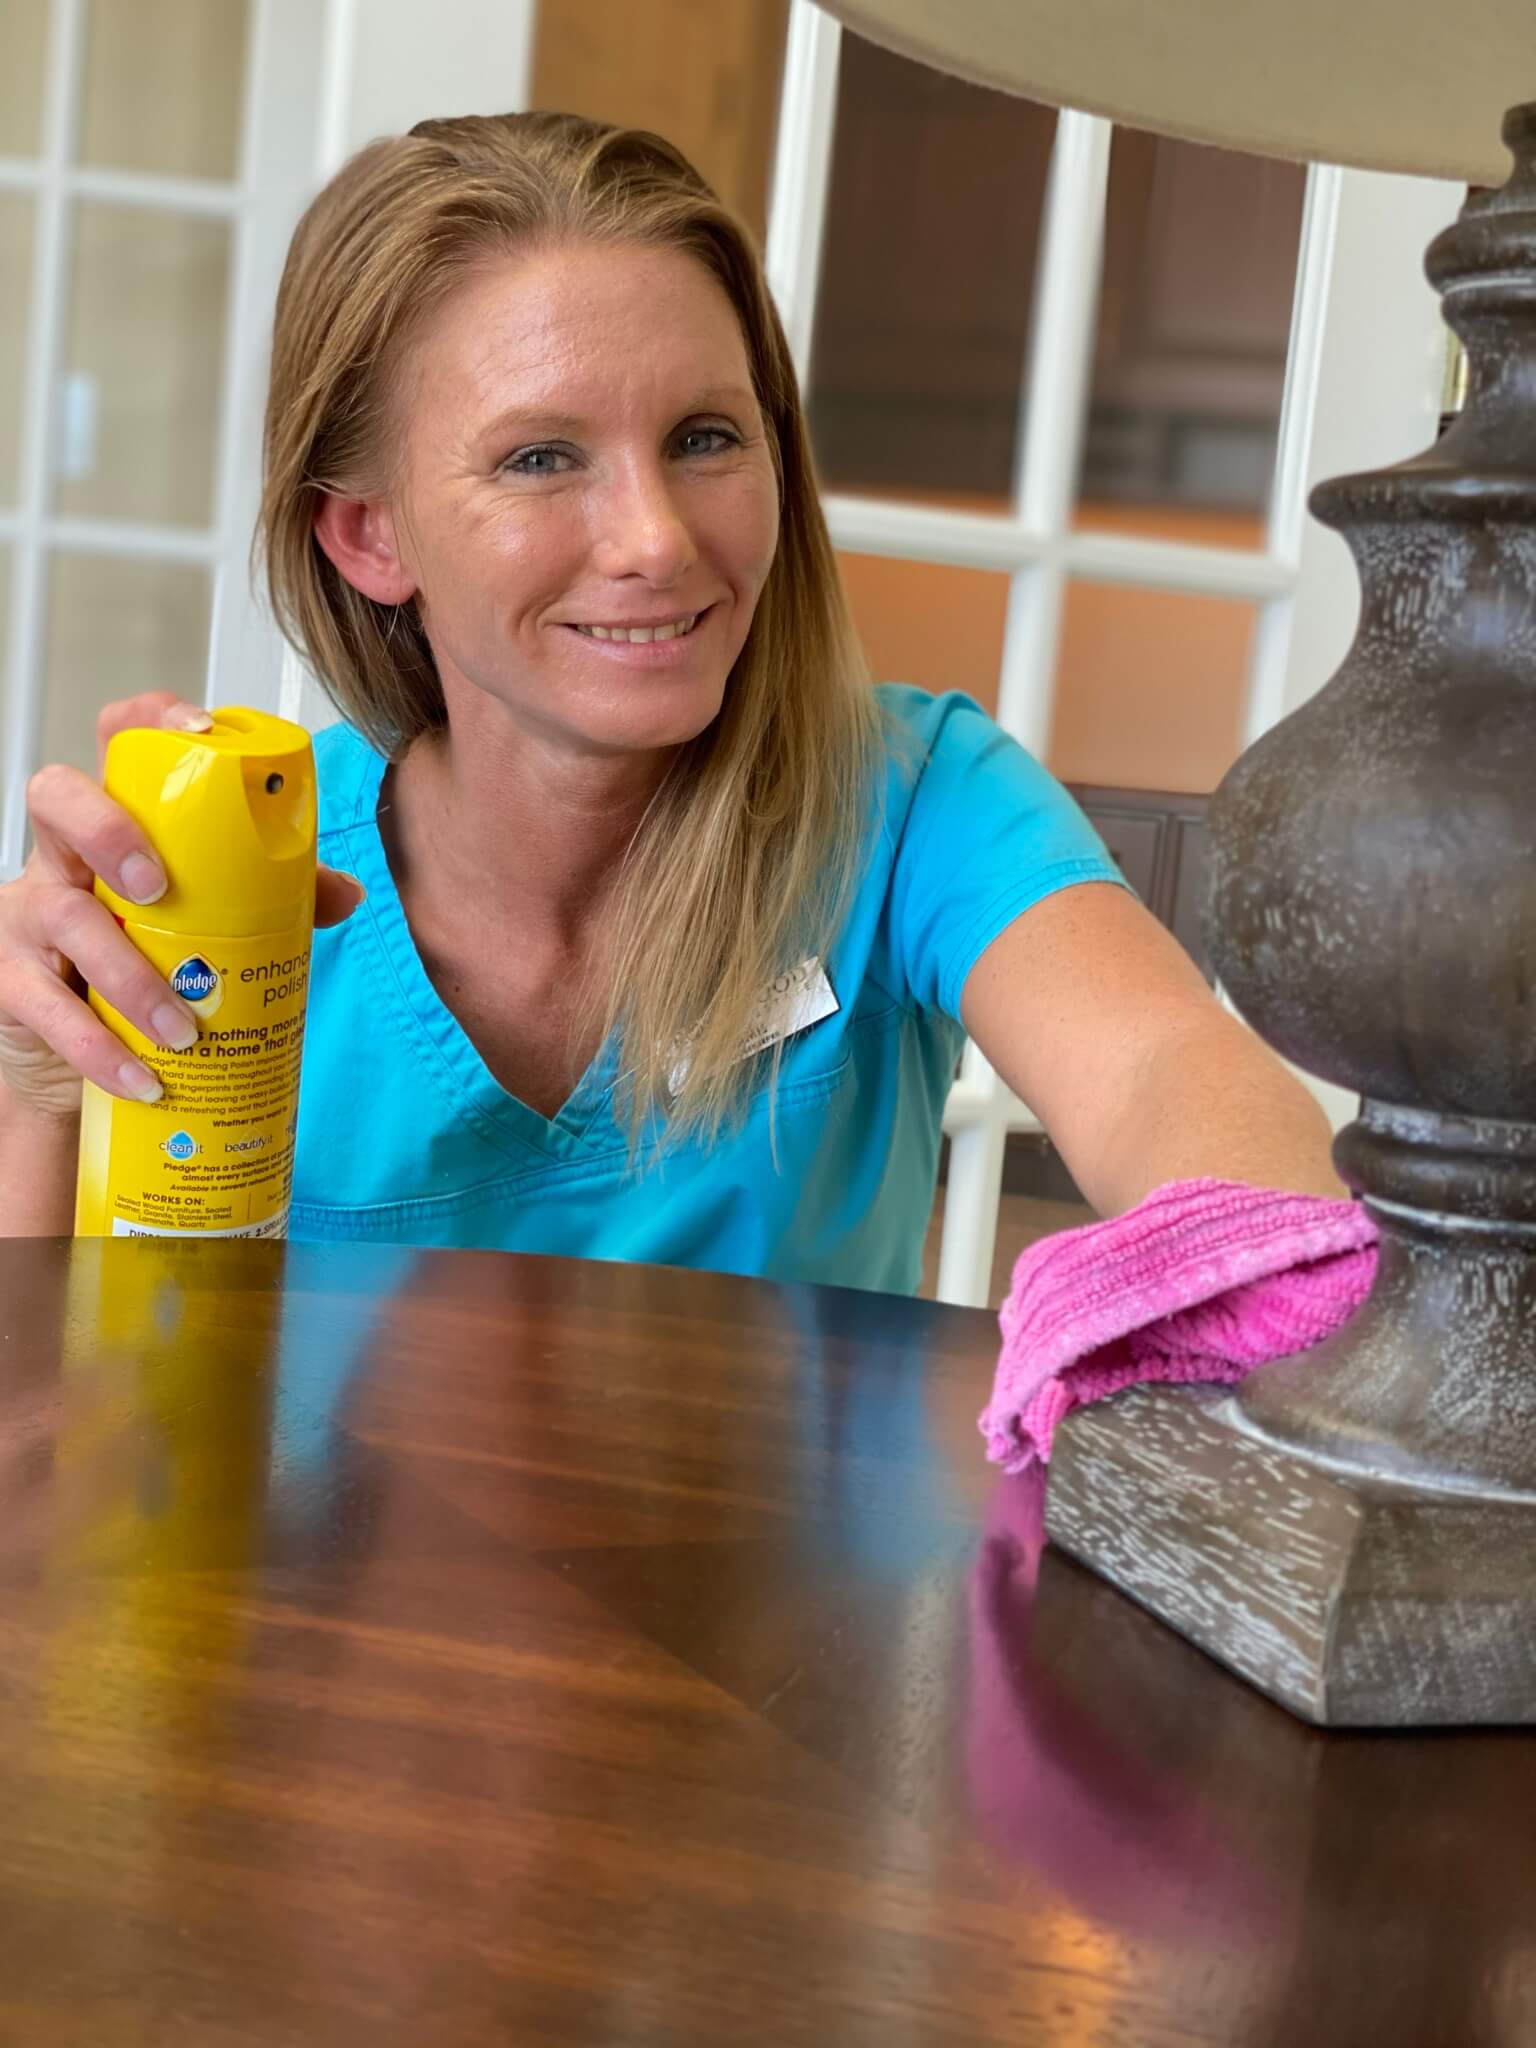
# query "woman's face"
(584, 466)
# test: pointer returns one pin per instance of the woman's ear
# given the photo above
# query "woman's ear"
(358, 534)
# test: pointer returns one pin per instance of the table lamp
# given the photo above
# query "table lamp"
(1353, 1530)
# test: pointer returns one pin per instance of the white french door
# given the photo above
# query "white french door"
(144, 247)
(154, 156)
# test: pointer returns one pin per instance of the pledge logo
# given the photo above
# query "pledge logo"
(198, 985)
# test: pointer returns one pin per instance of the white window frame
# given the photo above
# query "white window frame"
(321, 78)
(278, 116)
(1362, 386)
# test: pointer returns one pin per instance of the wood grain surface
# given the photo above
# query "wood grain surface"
(450, 1649)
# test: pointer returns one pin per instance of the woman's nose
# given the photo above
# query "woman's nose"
(643, 532)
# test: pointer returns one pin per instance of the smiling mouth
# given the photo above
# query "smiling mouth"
(673, 629)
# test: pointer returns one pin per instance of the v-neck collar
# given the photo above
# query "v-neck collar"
(583, 1123)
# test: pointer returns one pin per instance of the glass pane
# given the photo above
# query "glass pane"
(1194, 321)
(117, 626)
(25, 45)
(704, 76)
(142, 365)
(164, 86)
(15, 302)
(928, 623)
(1150, 688)
(928, 269)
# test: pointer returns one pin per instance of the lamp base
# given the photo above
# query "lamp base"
(1354, 1529)
(1352, 1598)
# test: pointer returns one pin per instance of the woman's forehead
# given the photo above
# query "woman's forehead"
(572, 330)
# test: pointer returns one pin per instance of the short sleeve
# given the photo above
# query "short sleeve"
(987, 832)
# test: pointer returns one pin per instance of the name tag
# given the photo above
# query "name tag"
(797, 999)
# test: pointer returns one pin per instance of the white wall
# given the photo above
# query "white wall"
(397, 62)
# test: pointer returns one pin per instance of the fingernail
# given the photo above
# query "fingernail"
(143, 879)
(175, 1027)
(362, 893)
(188, 718)
(139, 1082)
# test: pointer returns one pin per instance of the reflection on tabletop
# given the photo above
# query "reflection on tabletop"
(368, 1615)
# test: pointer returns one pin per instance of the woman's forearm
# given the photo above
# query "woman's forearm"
(38, 1154)
(1095, 1014)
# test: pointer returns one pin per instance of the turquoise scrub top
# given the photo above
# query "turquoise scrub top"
(405, 1136)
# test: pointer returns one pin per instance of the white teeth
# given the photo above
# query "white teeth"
(639, 635)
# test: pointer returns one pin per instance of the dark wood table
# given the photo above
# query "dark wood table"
(448, 1649)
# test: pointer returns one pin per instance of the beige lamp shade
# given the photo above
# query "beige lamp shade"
(1393, 85)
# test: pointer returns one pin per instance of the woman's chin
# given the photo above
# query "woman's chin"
(632, 715)
(649, 718)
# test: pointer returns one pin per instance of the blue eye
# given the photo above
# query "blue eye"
(715, 439)
(540, 461)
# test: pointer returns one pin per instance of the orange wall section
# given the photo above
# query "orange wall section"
(1150, 684)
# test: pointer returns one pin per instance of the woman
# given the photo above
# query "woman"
(540, 512)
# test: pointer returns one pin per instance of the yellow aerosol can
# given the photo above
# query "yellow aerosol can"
(231, 813)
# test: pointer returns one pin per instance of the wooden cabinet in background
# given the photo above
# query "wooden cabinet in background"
(703, 73)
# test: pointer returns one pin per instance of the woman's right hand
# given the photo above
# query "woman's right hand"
(54, 934)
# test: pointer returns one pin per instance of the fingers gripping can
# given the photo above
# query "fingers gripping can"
(231, 813)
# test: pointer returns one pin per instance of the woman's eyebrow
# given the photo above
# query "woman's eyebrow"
(533, 422)
(722, 397)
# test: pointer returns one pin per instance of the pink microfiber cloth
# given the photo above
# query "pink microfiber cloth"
(1203, 1280)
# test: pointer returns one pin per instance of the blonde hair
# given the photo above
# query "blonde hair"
(747, 857)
